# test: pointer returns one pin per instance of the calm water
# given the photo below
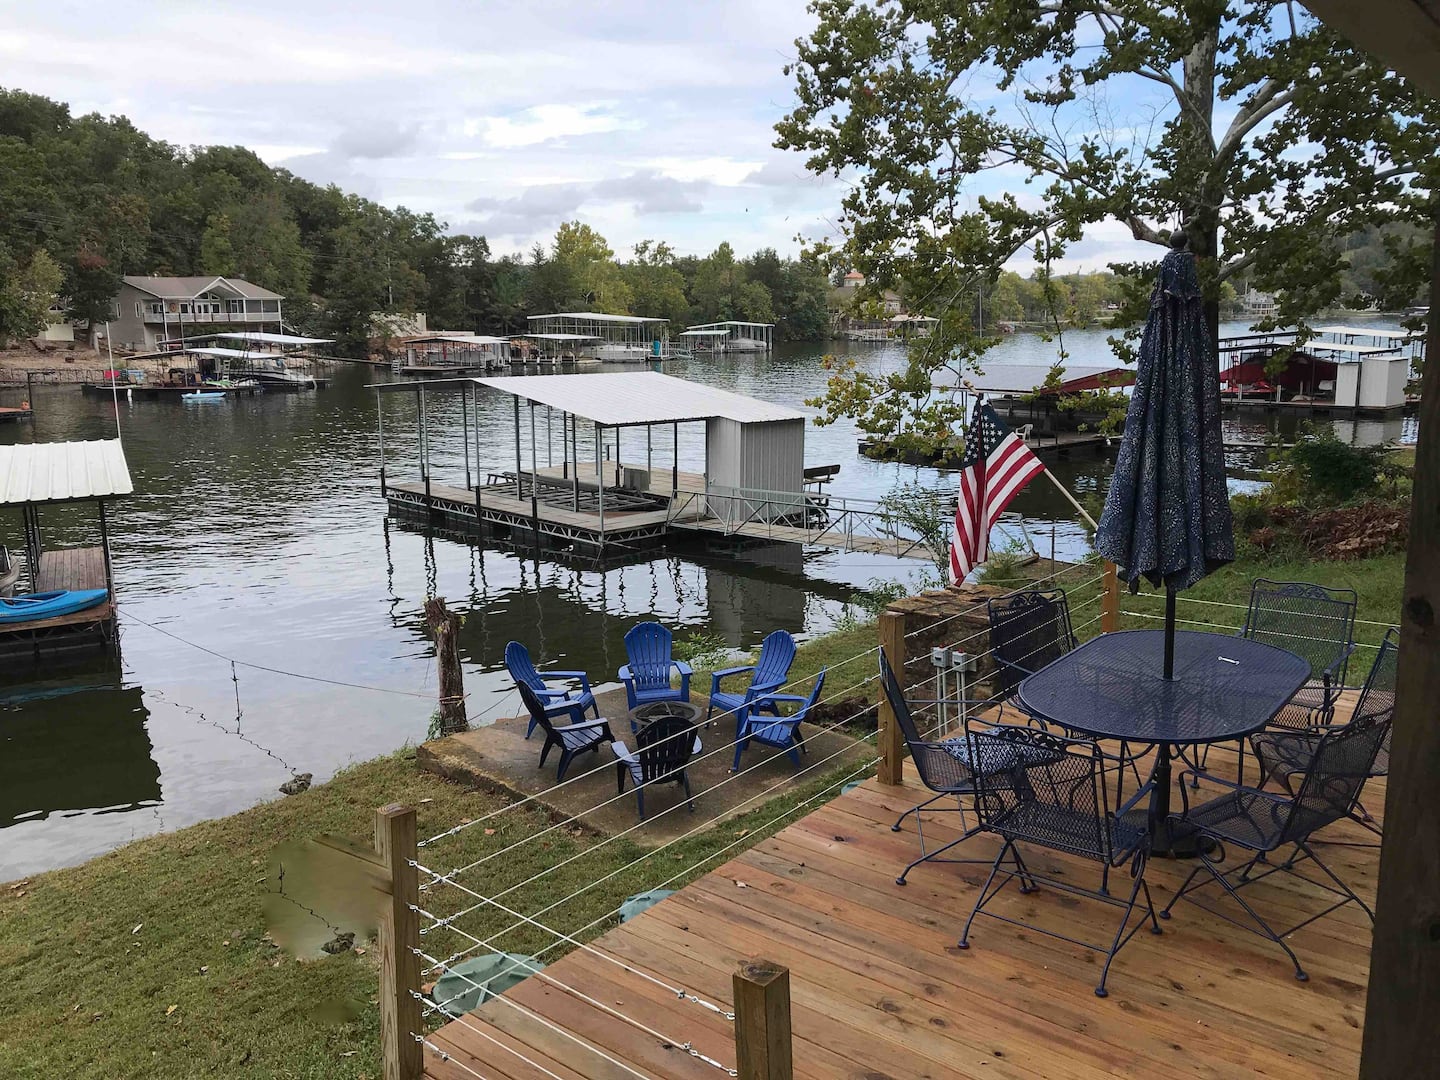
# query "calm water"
(258, 533)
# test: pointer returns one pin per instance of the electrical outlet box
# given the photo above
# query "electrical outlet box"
(941, 658)
(963, 661)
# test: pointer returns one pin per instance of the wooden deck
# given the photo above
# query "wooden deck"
(67, 568)
(880, 991)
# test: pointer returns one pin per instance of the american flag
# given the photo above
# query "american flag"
(996, 465)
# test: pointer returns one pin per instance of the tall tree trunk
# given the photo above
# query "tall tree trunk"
(1202, 221)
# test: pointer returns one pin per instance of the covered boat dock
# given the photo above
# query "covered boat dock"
(34, 475)
(590, 494)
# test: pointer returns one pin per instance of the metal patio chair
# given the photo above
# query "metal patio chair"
(1030, 629)
(663, 749)
(767, 674)
(647, 676)
(573, 738)
(943, 765)
(522, 670)
(777, 730)
(1262, 822)
(1313, 622)
(1284, 755)
(1040, 788)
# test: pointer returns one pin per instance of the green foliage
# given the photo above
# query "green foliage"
(102, 200)
(926, 513)
(1252, 123)
(26, 293)
(702, 649)
(1331, 471)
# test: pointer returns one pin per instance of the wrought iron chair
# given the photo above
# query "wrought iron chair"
(1030, 629)
(573, 738)
(1314, 622)
(662, 755)
(781, 732)
(1040, 788)
(767, 674)
(1285, 755)
(647, 675)
(1261, 822)
(522, 670)
(943, 765)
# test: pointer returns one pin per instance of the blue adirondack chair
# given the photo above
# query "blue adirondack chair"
(781, 732)
(777, 653)
(558, 702)
(647, 675)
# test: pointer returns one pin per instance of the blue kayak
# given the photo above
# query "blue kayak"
(47, 605)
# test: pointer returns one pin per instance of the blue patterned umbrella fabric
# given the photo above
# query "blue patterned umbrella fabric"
(1167, 515)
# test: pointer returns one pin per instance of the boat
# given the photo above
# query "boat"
(9, 572)
(47, 605)
(205, 395)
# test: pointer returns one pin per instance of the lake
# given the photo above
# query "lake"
(257, 534)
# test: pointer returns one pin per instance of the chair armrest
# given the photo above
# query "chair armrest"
(682, 667)
(583, 724)
(766, 698)
(725, 673)
(624, 673)
(1143, 791)
(1232, 785)
(545, 676)
(1329, 674)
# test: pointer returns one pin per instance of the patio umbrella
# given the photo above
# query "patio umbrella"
(1167, 515)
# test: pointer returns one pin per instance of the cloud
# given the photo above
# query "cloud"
(377, 140)
(649, 191)
(546, 123)
(539, 209)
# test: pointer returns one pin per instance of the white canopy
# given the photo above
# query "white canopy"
(275, 339)
(60, 472)
(563, 337)
(596, 316)
(619, 399)
(728, 322)
(456, 339)
(705, 333)
(1370, 332)
(235, 354)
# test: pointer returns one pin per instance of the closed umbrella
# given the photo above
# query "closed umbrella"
(1167, 515)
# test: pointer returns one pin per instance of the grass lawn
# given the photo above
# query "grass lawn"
(1378, 583)
(154, 961)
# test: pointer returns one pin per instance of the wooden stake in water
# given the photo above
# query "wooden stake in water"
(445, 629)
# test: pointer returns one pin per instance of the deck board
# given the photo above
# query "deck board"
(879, 989)
(71, 569)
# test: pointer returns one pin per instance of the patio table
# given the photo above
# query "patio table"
(1112, 687)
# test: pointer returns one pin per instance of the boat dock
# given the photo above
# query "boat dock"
(36, 475)
(165, 391)
(755, 488)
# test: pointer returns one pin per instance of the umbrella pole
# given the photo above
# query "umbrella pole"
(1169, 633)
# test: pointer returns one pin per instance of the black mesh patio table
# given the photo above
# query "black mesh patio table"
(1113, 687)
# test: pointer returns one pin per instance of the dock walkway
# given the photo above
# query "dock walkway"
(879, 989)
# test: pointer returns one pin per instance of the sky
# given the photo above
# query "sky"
(643, 118)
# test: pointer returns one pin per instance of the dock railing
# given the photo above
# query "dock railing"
(838, 521)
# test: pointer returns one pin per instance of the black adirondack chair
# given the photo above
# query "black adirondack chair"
(571, 739)
(662, 755)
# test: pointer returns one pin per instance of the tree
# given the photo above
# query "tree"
(1260, 131)
(26, 293)
(587, 266)
(656, 286)
(217, 253)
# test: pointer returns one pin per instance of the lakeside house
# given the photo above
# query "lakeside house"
(896, 320)
(154, 313)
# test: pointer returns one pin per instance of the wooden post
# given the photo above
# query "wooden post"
(762, 1021)
(1404, 991)
(445, 629)
(1110, 602)
(889, 736)
(401, 1056)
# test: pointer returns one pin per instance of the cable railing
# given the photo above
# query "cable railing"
(477, 903)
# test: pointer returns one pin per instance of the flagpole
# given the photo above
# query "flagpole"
(1073, 501)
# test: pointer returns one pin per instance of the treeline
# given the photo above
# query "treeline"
(85, 200)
